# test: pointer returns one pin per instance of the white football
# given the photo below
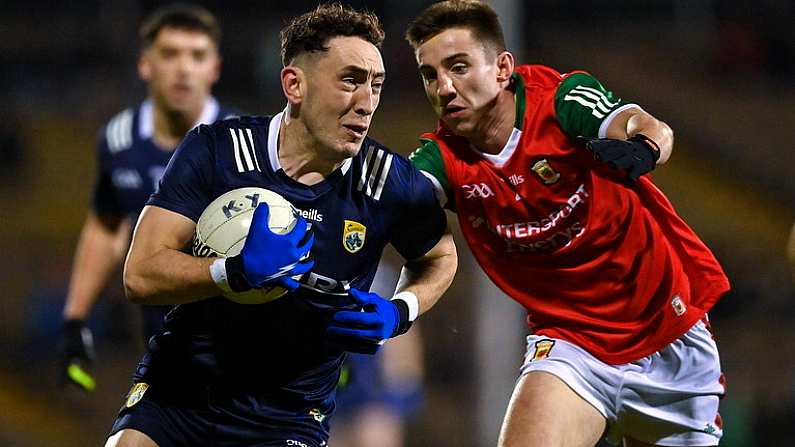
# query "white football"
(223, 226)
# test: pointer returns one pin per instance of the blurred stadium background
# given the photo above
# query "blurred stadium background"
(720, 72)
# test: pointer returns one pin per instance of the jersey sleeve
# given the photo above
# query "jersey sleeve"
(428, 159)
(186, 185)
(422, 220)
(584, 107)
(104, 200)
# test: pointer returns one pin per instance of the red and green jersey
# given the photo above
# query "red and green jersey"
(608, 266)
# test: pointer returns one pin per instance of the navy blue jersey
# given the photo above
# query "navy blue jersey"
(129, 165)
(277, 349)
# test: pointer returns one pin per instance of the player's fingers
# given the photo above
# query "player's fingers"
(609, 152)
(299, 231)
(357, 345)
(363, 319)
(306, 242)
(346, 332)
(302, 267)
(361, 298)
(289, 283)
(260, 218)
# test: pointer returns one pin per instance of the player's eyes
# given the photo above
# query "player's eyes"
(168, 53)
(459, 68)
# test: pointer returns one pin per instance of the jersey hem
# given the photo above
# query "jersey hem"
(425, 248)
(171, 206)
(696, 314)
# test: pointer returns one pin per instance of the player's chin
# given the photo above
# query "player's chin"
(457, 126)
(349, 148)
(183, 102)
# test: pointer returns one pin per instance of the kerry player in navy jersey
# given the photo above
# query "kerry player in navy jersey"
(224, 373)
(180, 63)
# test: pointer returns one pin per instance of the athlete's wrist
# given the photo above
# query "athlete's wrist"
(408, 307)
(650, 144)
(227, 273)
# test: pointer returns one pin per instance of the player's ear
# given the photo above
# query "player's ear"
(293, 84)
(144, 67)
(505, 65)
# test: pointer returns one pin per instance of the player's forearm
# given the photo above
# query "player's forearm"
(99, 253)
(635, 121)
(430, 276)
(658, 131)
(168, 276)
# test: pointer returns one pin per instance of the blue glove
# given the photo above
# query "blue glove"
(365, 331)
(268, 258)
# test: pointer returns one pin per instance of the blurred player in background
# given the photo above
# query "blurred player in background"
(377, 394)
(179, 62)
(546, 173)
(224, 373)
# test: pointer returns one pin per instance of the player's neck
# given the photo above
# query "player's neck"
(495, 127)
(299, 157)
(170, 127)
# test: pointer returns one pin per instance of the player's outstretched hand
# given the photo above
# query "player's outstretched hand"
(268, 257)
(77, 350)
(636, 156)
(366, 330)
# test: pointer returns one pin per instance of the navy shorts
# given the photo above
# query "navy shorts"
(218, 418)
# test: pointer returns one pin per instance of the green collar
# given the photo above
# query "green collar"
(519, 98)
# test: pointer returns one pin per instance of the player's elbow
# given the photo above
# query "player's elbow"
(450, 264)
(136, 287)
(666, 142)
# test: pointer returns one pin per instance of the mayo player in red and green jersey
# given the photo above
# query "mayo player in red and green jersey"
(546, 173)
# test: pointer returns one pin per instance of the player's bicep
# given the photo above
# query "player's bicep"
(422, 220)
(159, 229)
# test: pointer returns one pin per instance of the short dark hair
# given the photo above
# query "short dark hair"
(180, 16)
(310, 32)
(476, 16)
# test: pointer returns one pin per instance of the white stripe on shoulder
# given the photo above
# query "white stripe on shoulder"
(236, 149)
(384, 174)
(441, 195)
(253, 151)
(118, 132)
(375, 170)
(367, 158)
(379, 157)
(244, 150)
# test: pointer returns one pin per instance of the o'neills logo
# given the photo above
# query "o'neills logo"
(311, 214)
(544, 170)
